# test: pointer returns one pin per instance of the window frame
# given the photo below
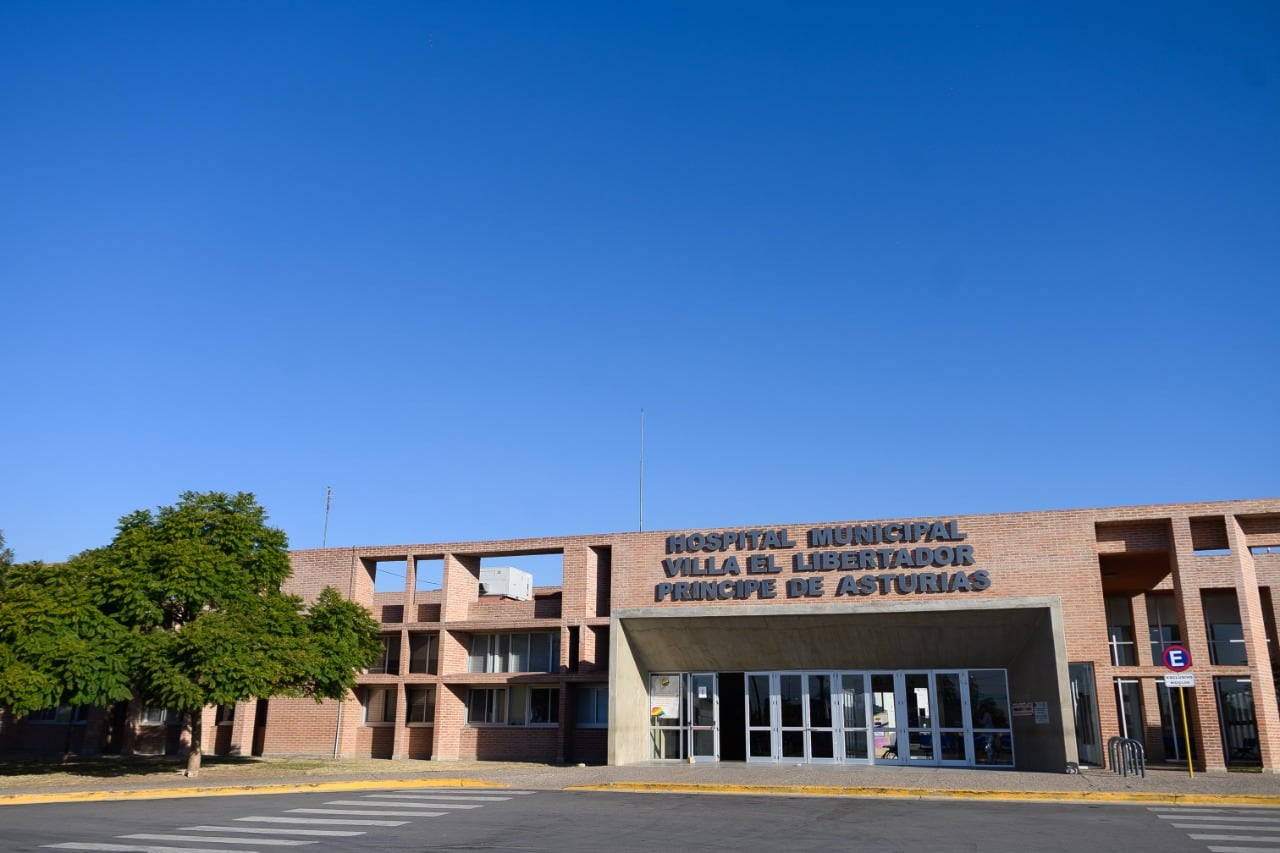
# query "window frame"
(500, 653)
(389, 662)
(595, 696)
(431, 659)
(64, 714)
(411, 692)
(386, 710)
(494, 705)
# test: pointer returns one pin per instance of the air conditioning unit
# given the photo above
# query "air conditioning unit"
(507, 581)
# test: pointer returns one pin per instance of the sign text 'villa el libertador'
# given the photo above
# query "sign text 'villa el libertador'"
(870, 557)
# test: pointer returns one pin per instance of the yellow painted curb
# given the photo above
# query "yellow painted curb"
(1162, 798)
(239, 790)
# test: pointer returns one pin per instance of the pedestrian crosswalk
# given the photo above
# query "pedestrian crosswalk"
(337, 820)
(1226, 830)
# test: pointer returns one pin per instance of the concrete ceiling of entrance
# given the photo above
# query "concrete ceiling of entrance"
(923, 640)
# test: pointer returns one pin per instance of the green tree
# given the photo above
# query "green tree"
(182, 610)
(6, 554)
(57, 647)
(198, 585)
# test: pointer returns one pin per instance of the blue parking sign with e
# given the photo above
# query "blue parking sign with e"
(1177, 658)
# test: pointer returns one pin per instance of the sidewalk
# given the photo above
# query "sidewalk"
(103, 780)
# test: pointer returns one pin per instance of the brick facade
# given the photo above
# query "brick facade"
(1070, 563)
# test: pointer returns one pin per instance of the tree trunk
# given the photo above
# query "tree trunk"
(193, 757)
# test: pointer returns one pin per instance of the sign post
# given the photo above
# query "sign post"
(1177, 659)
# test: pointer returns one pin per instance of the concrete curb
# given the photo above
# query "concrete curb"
(853, 791)
(238, 790)
(940, 793)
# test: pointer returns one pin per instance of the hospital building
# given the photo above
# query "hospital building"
(1021, 640)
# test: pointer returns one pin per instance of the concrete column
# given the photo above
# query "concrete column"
(1266, 711)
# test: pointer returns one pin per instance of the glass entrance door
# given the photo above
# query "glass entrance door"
(917, 695)
(1085, 706)
(884, 703)
(934, 717)
(856, 716)
(704, 716)
(791, 716)
(761, 744)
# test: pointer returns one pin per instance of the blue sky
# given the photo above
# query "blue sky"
(854, 261)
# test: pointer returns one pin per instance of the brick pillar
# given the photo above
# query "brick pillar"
(578, 583)
(451, 716)
(461, 587)
(242, 728)
(400, 742)
(352, 718)
(410, 590)
(586, 648)
(566, 723)
(1141, 632)
(1202, 706)
(1253, 625)
(1152, 736)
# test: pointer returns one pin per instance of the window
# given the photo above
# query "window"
(421, 705)
(61, 714)
(1120, 631)
(593, 706)
(379, 705)
(519, 705)
(536, 652)
(534, 706)
(423, 649)
(225, 715)
(153, 716)
(486, 705)
(1162, 620)
(388, 661)
(1226, 634)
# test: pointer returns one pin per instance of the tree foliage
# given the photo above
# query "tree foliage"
(56, 645)
(183, 609)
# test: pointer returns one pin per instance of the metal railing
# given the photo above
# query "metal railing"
(1127, 756)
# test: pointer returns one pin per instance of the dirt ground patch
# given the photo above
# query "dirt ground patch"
(34, 774)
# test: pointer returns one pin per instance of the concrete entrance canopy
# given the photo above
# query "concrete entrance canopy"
(1023, 635)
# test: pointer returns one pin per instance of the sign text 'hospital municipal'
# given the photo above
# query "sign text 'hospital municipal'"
(902, 545)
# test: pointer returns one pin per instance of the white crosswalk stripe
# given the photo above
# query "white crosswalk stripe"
(446, 797)
(1255, 830)
(397, 804)
(369, 812)
(374, 809)
(325, 821)
(217, 839)
(133, 848)
(506, 792)
(268, 830)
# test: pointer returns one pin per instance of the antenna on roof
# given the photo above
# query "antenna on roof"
(328, 502)
(642, 470)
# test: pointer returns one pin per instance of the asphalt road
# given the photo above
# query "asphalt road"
(502, 820)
